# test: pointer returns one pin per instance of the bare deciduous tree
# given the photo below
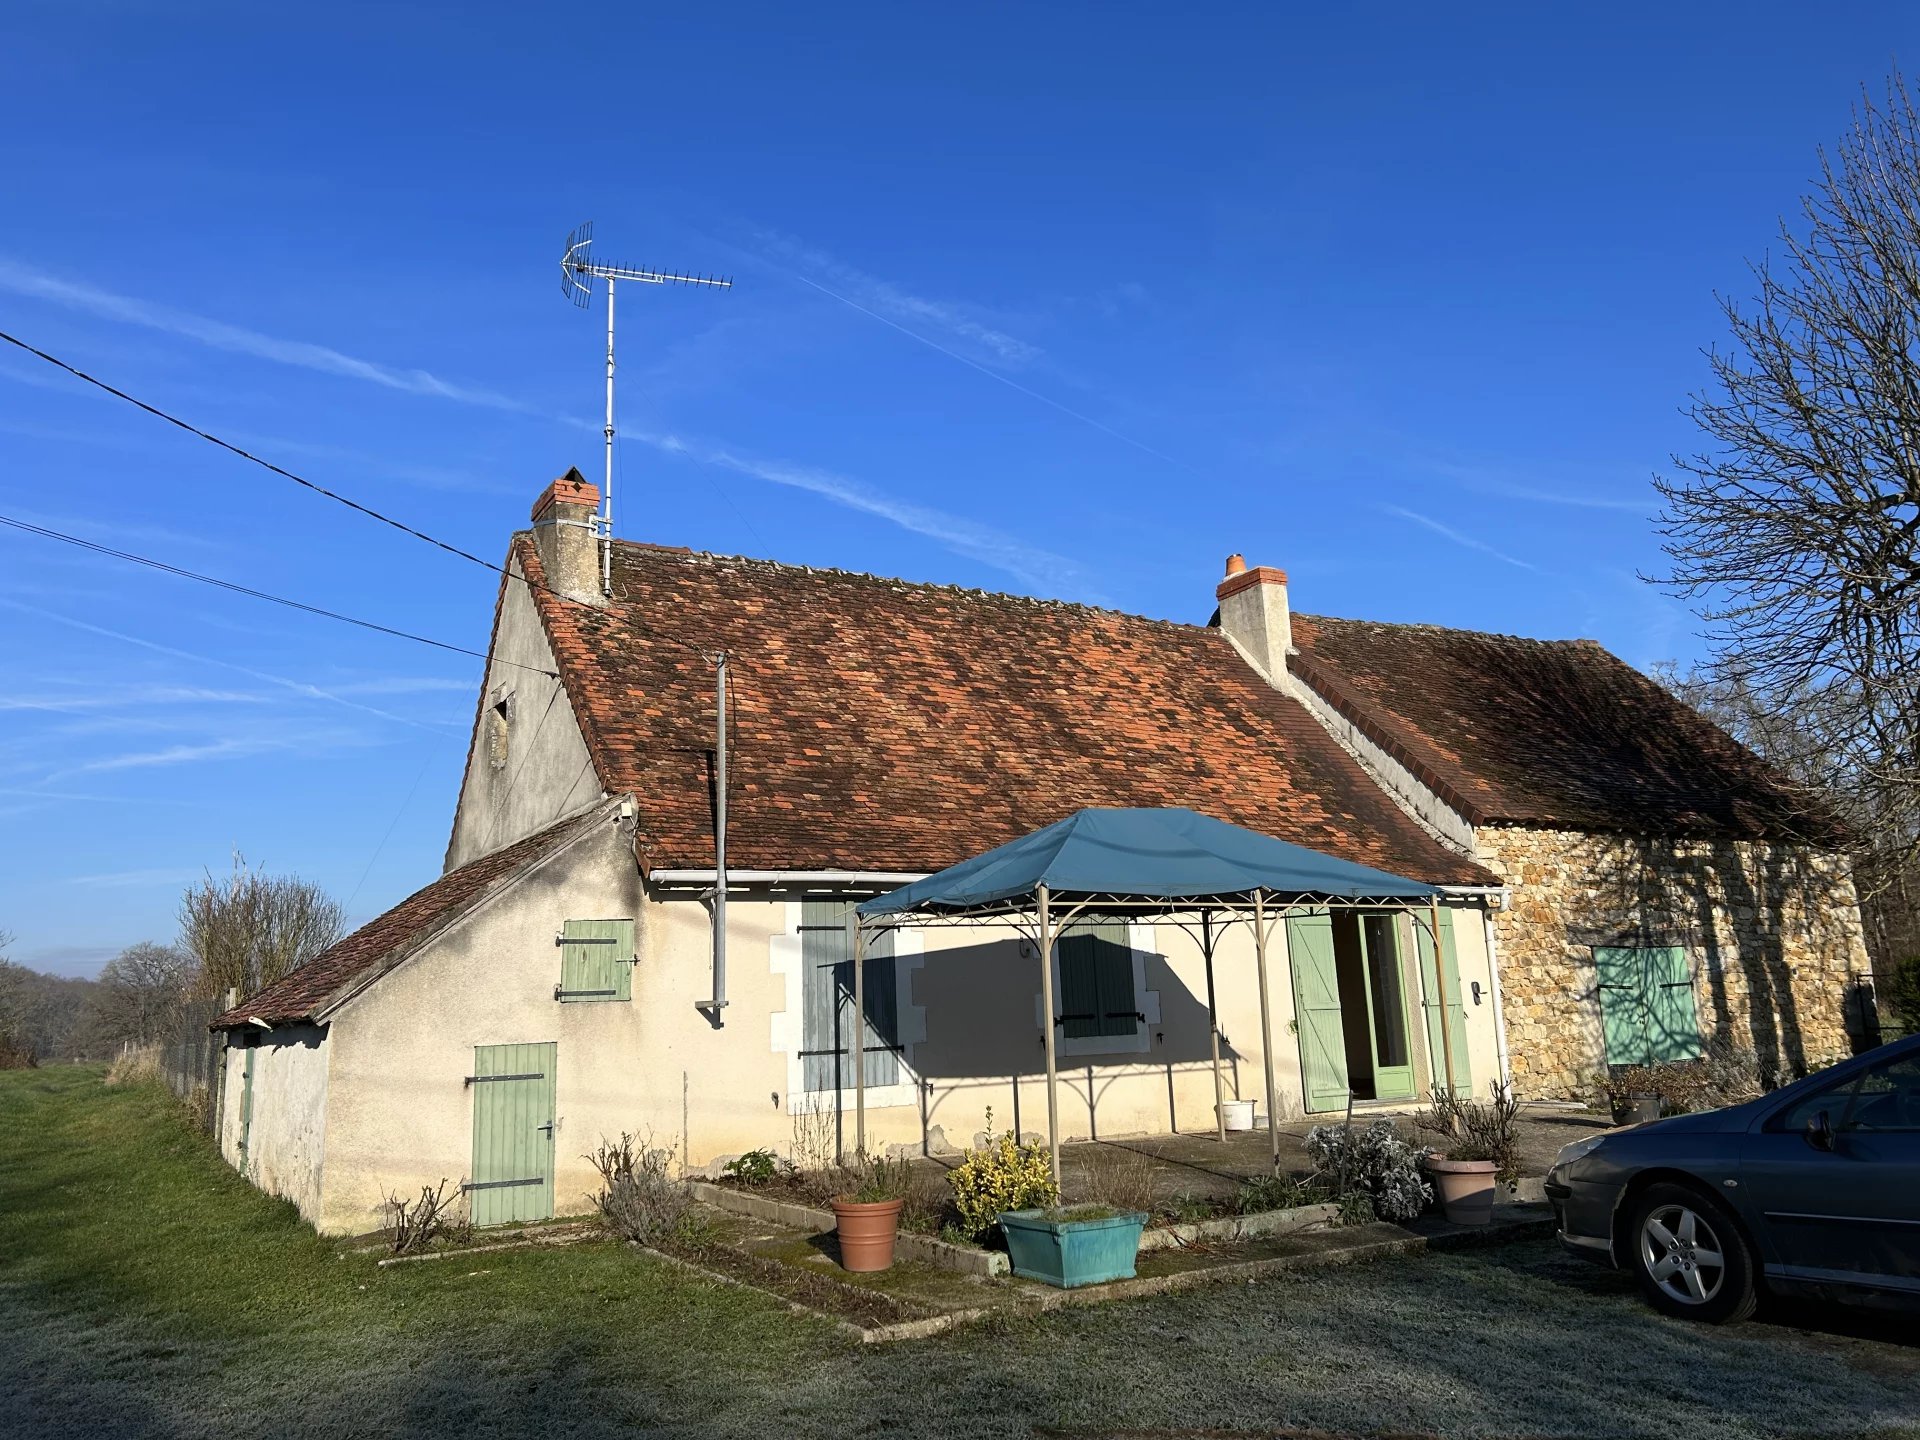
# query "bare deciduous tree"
(1797, 531)
(248, 929)
(141, 994)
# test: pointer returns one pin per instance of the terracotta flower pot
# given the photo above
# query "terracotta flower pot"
(867, 1230)
(1466, 1188)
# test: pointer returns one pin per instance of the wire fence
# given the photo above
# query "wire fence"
(190, 1061)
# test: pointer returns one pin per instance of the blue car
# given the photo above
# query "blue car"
(1812, 1190)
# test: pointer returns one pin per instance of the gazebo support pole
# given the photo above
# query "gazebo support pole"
(1213, 1029)
(1046, 1026)
(859, 1045)
(1440, 984)
(1266, 1021)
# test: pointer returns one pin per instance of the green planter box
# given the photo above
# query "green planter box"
(1072, 1252)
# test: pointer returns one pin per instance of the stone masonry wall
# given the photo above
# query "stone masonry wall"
(1773, 932)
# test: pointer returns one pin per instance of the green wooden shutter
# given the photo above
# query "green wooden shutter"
(1453, 1008)
(513, 1120)
(1673, 1020)
(1079, 984)
(1621, 979)
(1316, 1009)
(596, 961)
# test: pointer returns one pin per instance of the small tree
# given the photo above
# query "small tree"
(248, 929)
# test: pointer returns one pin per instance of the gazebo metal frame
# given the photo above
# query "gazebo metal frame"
(1042, 914)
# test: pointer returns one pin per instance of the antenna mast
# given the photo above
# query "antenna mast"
(577, 274)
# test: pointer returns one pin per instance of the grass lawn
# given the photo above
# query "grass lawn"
(146, 1290)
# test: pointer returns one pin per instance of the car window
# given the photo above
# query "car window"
(1830, 1098)
(1887, 1097)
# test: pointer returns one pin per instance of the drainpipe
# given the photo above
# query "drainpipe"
(718, 1003)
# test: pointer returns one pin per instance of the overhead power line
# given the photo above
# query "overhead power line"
(320, 489)
(248, 590)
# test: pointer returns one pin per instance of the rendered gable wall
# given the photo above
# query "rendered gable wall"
(546, 772)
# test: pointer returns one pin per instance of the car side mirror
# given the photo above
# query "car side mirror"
(1820, 1132)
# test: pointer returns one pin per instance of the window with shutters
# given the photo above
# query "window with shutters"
(596, 961)
(1647, 1009)
(826, 999)
(1101, 1002)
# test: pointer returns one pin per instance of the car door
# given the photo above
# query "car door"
(1835, 1178)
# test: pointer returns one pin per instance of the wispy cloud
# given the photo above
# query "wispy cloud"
(986, 370)
(232, 748)
(963, 537)
(1042, 569)
(134, 879)
(888, 298)
(124, 697)
(1472, 542)
(23, 279)
(297, 687)
(1491, 480)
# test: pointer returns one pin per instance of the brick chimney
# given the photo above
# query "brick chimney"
(563, 529)
(1254, 613)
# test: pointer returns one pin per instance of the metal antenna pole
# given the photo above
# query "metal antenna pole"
(577, 273)
(606, 495)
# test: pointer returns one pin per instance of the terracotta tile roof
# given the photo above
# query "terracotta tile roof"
(1553, 734)
(386, 939)
(882, 725)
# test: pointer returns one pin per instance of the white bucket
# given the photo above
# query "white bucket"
(1237, 1114)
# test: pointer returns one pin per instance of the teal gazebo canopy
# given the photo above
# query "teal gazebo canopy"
(1165, 861)
(1137, 857)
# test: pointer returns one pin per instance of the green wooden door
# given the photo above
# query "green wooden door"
(1647, 1011)
(1386, 1007)
(596, 961)
(1433, 1009)
(513, 1114)
(1316, 1010)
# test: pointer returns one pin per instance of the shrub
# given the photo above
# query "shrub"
(1901, 994)
(1475, 1131)
(640, 1200)
(415, 1225)
(16, 1054)
(756, 1167)
(136, 1064)
(1375, 1162)
(1003, 1175)
(1278, 1192)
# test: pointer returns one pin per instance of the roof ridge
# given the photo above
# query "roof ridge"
(1429, 628)
(1038, 602)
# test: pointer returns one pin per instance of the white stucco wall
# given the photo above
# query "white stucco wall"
(286, 1141)
(400, 1116)
(547, 772)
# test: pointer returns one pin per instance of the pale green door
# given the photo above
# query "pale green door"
(1647, 1008)
(513, 1114)
(1386, 1008)
(1316, 1009)
(1431, 1002)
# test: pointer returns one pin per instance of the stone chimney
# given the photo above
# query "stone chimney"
(569, 545)
(1254, 613)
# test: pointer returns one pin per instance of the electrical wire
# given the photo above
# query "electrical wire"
(248, 590)
(319, 489)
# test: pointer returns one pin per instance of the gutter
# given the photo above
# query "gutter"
(862, 879)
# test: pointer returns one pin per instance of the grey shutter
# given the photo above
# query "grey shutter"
(1079, 985)
(883, 1011)
(1096, 981)
(823, 954)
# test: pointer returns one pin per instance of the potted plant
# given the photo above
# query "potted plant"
(867, 1217)
(1073, 1245)
(1481, 1152)
(1634, 1094)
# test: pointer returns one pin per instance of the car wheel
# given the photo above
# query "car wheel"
(1690, 1257)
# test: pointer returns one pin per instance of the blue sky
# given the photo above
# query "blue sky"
(1067, 300)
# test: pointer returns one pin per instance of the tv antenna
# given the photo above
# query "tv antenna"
(578, 271)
